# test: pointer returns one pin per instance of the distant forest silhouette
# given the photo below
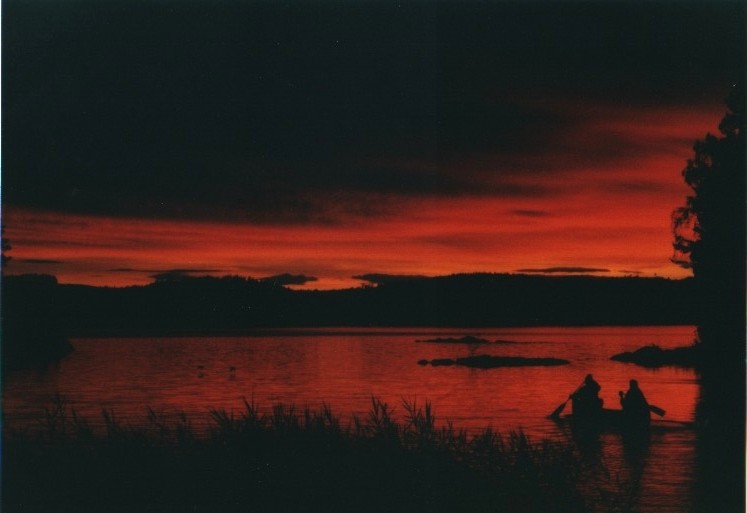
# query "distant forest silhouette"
(214, 305)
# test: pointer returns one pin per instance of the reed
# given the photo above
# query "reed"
(282, 460)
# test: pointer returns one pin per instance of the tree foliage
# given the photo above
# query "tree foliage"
(709, 230)
(706, 228)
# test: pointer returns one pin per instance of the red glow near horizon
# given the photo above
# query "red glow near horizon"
(614, 215)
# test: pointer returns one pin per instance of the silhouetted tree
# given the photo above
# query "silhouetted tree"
(709, 230)
(709, 237)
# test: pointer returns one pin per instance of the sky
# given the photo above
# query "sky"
(318, 142)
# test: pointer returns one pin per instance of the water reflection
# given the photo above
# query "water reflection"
(344, 368)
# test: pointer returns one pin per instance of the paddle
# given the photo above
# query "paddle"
(557, 411)
(659, 411)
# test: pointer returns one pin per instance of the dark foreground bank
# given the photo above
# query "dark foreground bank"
(287, 460)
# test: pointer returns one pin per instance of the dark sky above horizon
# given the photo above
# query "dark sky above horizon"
(339, 139)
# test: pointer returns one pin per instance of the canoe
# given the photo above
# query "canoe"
(607, 420)
(613, 421)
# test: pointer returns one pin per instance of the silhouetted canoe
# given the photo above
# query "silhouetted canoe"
(613, 421)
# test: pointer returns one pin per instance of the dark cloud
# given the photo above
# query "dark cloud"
(34, 222)
(636, 187)
(530, 213)
(378, 279)
(40, 261)
(297, 112)
(564, 270)
(288, 279)
(164, 271)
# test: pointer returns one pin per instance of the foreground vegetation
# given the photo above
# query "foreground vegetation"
(286, 460)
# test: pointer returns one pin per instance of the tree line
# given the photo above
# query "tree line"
(214, 305)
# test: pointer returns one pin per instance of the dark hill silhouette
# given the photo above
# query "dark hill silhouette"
(32, 334)
(215, 305)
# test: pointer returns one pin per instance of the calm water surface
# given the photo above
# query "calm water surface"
(345, 367)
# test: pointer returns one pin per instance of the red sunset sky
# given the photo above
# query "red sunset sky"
(335, 142)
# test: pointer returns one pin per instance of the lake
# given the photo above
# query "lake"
(345, 367)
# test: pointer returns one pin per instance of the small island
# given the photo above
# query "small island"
(486, 361)
(653, 356)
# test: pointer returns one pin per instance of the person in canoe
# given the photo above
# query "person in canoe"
(586, 401)
(635, 408)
